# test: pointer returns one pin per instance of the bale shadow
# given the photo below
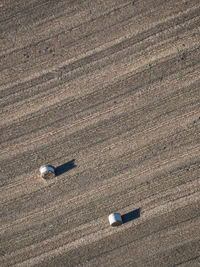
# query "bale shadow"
(130, 216)
(65, 167)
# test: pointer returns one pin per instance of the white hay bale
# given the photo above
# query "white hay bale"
(115, 219)
(47, 172)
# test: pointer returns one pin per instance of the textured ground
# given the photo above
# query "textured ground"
(108, 92)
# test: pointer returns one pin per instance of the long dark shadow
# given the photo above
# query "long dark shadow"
(130, 216)
(65, 167)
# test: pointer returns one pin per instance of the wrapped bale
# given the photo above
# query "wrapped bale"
(47, 172)
(115, 219)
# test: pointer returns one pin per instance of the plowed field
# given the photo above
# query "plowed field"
(108, 92)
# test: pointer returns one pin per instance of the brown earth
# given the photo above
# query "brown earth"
(108, 93)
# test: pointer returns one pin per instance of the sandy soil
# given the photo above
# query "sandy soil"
(108, 93)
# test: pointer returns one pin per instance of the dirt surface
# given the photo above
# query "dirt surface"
(108, 93)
